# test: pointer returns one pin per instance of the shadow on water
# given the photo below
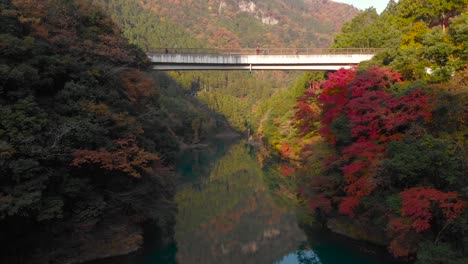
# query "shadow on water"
(228, 216)
(228, 212)
(326, 247)
(197, 162)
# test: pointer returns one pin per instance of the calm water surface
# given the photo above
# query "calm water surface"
(233, 210)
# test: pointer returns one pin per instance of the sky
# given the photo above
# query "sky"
(363, 4)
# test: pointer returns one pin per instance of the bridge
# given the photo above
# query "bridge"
(259, 59)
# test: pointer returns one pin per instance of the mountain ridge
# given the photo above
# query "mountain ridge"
(241, 23)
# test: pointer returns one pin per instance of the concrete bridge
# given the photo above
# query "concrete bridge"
(258, 59)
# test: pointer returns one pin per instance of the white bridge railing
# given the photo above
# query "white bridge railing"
(258, 59)
(266, 51)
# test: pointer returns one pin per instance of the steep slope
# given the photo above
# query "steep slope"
(86, 137)
(423, 39)
(236, 95)
(268, 23)
(383, 153)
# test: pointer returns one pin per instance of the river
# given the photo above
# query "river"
(231, 209)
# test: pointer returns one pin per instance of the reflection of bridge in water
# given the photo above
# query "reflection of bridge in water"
(259, 59)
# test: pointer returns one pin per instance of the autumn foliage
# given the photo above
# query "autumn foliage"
(307, 111)
(138, 87)
(420, 205)
(360, 105)
(320, 201)
(125, 157)
(359, 115)
(285, 150)
(76, 148)
(286, 170)
(60, 24)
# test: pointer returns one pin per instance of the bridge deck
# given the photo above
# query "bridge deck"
(256, 59)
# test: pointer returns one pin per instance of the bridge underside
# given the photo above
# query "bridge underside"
(193, 67)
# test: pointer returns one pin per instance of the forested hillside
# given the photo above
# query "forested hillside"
(236, 95)
(229, 24)
(424, 40)
(264, 23)
(381, 151)
(87, 135)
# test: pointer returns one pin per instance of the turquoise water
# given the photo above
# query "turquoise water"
(231, 209)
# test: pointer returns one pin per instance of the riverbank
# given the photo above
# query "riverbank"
(229, 211)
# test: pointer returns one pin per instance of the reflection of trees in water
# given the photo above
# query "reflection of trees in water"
(279, 178)
(229, 217)
(195, 162)
(282, 189)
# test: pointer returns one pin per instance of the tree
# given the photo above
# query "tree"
(127, 157)
(458, 30)
(139, 88)
(419, 209)
(359, 118)
(307, 112)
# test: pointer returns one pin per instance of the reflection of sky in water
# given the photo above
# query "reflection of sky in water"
(227, 215)
(302, 257)
(328, 248)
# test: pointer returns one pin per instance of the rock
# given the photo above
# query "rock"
(357, 230)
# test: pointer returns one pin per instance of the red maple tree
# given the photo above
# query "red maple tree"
(420, 206)
(126, 157)
(373, 115)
